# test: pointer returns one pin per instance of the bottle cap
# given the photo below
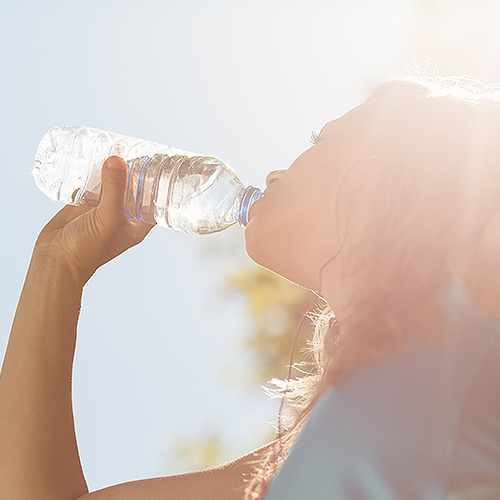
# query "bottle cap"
(250, 196)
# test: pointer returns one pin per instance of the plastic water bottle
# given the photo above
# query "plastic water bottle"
(170, 187)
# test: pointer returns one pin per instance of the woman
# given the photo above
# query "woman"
(393, 217)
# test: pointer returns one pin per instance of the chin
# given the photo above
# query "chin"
(281, 257)
(255, 247)
(269, 259)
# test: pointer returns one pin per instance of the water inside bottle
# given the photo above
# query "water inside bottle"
(172, 187)
(204, 198)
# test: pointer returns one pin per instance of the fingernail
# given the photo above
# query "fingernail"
(116, 163)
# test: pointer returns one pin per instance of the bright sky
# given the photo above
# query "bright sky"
(159, 355)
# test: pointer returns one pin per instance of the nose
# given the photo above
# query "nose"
(274, 176)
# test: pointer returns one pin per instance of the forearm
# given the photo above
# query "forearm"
(38, 452)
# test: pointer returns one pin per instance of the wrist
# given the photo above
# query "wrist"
(53, 267)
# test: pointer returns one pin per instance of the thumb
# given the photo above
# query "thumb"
(114, 182)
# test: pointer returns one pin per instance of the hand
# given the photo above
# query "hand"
(83, 240)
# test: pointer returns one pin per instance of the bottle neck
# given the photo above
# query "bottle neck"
(250, 196)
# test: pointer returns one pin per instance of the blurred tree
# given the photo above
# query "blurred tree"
(276, 308)
(200, 453)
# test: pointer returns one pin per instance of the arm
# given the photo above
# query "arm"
(227, 482)
(38, 450)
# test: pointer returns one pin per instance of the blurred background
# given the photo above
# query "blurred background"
(178, 335)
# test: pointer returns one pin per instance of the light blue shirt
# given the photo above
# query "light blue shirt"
(415, 425)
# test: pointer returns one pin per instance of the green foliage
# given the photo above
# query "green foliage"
(198, 454)
(276, 307)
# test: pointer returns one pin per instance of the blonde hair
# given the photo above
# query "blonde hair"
(437, 173)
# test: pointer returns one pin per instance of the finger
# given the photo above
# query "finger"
(114, 181)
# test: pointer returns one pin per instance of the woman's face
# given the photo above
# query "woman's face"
(301, 221)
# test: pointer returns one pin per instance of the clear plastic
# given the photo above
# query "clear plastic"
(167, 186)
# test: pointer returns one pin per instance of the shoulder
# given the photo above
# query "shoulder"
(482, 404)
(227, 482)
(477, 453)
